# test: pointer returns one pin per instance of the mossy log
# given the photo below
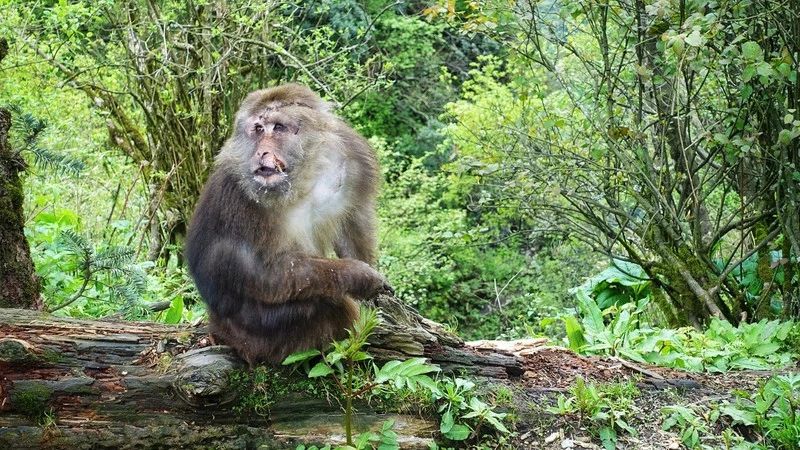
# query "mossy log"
(68, 383)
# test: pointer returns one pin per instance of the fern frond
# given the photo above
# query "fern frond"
(114, 258)
(28, 126)
(138, 279)
(57, 162)
(127, 293)
(131, 291)
(135, 311)
(77, 244)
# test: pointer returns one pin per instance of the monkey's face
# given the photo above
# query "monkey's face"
(275, 151)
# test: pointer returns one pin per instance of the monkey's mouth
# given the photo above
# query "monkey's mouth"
(266, 172)
(269, 176)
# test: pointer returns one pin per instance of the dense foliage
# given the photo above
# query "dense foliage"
(622, 177)
(649, 147)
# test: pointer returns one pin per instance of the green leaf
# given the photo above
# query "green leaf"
(623, 425)
(786, 136)
(678, 45)
(363, 439)
(175, 311)
(447, 422)
(592, 316)
(497, 424)
(623, 323)
(59, 217)
(428, 383)
(752, 51)
(765, 70)
(387, 425)
(747, 90)
(333, 357)
(320, 370)
(695, 39)
(300, 356)
(458, 433)
(608, 437)
(669, 422)
(747, 74)
(574, 333)
(753, 363)
(765, 349)
(360, 356)
(417, 366)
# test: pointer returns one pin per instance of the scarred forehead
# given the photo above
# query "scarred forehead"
(284, 96)
(277, 106)
(292, 100)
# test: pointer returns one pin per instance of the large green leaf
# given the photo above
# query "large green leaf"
(458, 432)
(745, 417)
(574, 333)
(175, 311)
(752, 51)
(300, 356)
(319, 370)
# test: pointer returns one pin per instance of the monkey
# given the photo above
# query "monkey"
(283, 238)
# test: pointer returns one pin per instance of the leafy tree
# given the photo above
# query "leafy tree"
(169, 77)
(662, 134)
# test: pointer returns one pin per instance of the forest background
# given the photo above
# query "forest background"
(525, 148)
(621, 177)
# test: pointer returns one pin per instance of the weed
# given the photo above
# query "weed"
(607, 406)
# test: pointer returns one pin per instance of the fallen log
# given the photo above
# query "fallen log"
(69, 383)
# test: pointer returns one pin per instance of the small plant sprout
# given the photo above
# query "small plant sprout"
(343, 362)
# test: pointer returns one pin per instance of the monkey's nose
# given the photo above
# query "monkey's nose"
(266, 157)
(271, 161)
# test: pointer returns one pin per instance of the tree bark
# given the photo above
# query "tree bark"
(67, 383)
(19, 286)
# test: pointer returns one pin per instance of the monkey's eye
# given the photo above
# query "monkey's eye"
(279, 127)
(258, 128)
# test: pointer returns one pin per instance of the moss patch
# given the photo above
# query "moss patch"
(15, 352)
(32, 400)
(259, 389)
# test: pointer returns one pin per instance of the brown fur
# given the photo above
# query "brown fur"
(259, 249)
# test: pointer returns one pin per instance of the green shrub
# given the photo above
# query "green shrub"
(773, 412)
(609, 407)
(622, 331)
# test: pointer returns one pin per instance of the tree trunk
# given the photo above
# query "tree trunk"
(19, 286)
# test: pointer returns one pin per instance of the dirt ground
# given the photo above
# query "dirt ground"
(550, 371)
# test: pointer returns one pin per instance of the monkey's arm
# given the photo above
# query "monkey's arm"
(235, 268)
(358, 242)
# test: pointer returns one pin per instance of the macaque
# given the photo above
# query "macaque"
(282, 241)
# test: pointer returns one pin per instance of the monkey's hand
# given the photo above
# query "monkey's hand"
(365, 281)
